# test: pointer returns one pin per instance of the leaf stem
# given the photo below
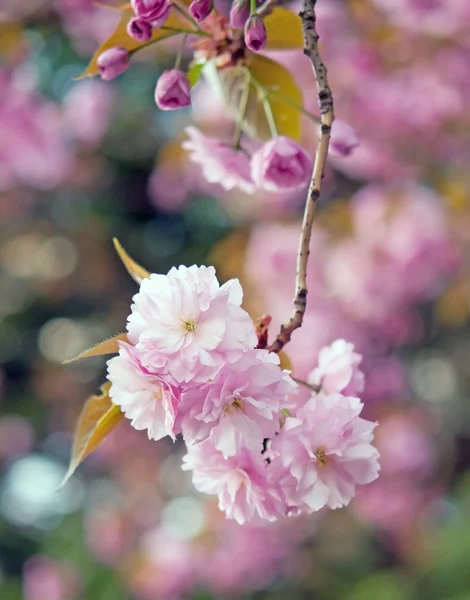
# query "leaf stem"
(287, 100)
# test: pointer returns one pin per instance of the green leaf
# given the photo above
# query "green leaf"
(284, 30)
(194, 73)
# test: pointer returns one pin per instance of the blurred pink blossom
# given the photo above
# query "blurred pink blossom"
(87, 109)
(45, 578)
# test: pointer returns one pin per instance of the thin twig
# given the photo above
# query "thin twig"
(325, 102)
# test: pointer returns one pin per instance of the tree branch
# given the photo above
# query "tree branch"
(325, 102)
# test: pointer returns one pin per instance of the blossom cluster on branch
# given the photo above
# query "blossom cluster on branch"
(191, 367)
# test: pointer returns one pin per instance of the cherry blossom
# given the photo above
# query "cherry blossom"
(241, 406)
(146, 398)
(328, 450)
(187, 326)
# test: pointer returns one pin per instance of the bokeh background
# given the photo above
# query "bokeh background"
(83, 161)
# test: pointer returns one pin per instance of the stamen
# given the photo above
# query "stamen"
(190, 326)
(321, 457)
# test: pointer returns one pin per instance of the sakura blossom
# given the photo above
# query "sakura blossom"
(327, 448)
(240, 482)
(281, 164)
(172, 90)
(220, 162)
(185, 325)
(241, 406)
(338, 370)
(147, 399)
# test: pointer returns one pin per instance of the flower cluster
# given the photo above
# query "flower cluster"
(191, 367)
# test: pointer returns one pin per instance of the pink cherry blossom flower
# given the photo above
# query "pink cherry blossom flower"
(280, 165)
(240, 407)
(343, 139)
(147, 399)
(220, 162)
(201, 9)
(172, 90)
(338, 370)
(240, 482)
(327, 449)
(112, 62)
(255, 33)
(239, 13)
(152, 10)
(140, 29)
(186, 325)
(87, 111)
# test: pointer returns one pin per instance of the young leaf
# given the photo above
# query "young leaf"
(98, 418)
(121, 38)
(272, 75)
(194, 73)
(109, 346)
(137, 272)
(229, 84)
(284, 30)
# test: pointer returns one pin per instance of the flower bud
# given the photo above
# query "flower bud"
(113, 62)
(172, 90)
(239, 13)
(255, 33)
(201, 9)
(139, 29)
(281, 165)
(343, 139)
(150, 10)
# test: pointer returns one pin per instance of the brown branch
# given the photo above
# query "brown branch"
(325, 102)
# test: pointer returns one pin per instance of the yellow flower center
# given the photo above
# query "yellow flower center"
(321, 457)
(236, 404)
(189, 326)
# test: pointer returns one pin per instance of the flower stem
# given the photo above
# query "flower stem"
(305, 384)
(242, 112)
(152, 42)
(184, 14)
(268, 111)
(186, 31)
(179, 56)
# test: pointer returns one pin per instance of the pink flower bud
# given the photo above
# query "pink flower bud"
(112, 62)
(151, 10)
(255, 33)
(201, 9)
(139, 29)
(343, 139)
(173, 90)
(281, 165)
(239, 13)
